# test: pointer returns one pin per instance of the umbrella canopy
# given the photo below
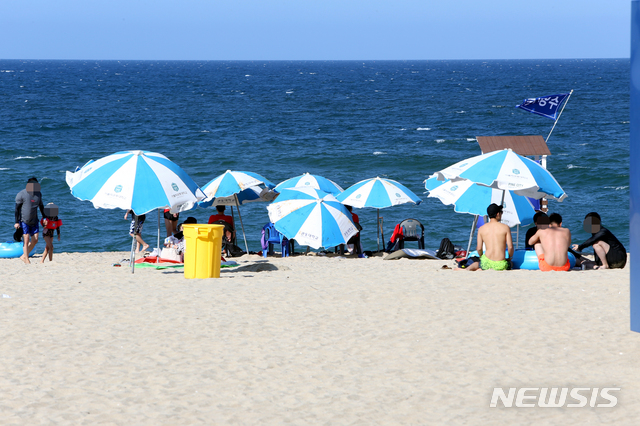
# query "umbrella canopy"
(310, 181)
(508, 171)
(378, 193)
(312, 217)
(137, 180)
(231, 182)
(468, 197)
(249, 195)
(141, 181)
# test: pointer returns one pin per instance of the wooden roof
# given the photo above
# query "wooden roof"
(523, 145)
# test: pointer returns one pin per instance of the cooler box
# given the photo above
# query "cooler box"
(203, 248)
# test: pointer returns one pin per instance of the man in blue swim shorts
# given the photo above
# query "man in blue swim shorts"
(27, 203)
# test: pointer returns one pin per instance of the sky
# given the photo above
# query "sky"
(314, 29)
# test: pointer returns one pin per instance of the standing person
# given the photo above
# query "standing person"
(171, 222)
(609, 251)
(26, 214)
(552, 245)
(135, 229)
(497, 238)
(49, 222)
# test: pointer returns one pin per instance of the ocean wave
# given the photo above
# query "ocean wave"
(379, 153)
(461, 112)
(7, 71)
(471, 139)
(440, 140)
(4, 168)
(572, 166)
(28, 157)
(618, 188)
(205, 131)
(423, 128)
(402, 129)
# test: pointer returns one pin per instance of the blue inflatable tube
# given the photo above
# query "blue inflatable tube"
(11, 249)
(527, 259)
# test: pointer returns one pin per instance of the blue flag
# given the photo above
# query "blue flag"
(546, 106)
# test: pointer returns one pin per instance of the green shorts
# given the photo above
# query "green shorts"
(496, 265)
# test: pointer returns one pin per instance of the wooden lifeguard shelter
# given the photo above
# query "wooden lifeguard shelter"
(527, 146)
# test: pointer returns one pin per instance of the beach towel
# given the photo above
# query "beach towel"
(412, 254)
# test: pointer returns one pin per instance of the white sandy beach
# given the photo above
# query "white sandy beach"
(307, 340)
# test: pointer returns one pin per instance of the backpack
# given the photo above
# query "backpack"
(446, 250)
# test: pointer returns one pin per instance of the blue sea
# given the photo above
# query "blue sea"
(345, 120)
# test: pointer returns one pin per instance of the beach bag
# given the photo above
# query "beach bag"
(170, 254)
(446, 250)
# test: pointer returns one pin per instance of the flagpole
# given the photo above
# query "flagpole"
(556, 122)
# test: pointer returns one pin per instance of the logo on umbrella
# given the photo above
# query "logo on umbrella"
(516, 171)
(454, 188)
(398, 195)
(358, 196)
(307, 183)
(174, 186)
(118, 189)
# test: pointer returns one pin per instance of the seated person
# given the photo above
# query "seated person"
(497, 238)
(552, 244)
(355, 240)
(609, 252)
(532, 231)
(230, 233)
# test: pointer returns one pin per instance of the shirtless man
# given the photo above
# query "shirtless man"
(497, 238)
(552, 245)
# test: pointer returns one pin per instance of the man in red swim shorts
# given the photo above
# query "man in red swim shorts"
(552, 245)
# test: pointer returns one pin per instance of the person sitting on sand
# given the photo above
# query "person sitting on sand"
(552, 244)
(540, 220)
(135, 230)
(609, 251)
(497, 238)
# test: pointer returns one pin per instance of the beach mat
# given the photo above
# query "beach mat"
(170, 265)
(412, 254)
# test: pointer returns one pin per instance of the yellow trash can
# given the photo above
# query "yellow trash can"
(202, 252)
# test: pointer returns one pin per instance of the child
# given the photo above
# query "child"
(135, 229)
(50, 222)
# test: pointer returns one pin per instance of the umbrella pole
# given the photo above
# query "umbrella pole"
(378, 233)
(382, 231)
(473, 228)
(240, 216)
(517, 235)
(158, 246)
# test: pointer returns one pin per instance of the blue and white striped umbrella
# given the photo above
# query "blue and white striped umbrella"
(138, 180)
(230, 183)
(311, 217)
(378, 193)
(468, 197)
(506, 170)
(311, 181)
